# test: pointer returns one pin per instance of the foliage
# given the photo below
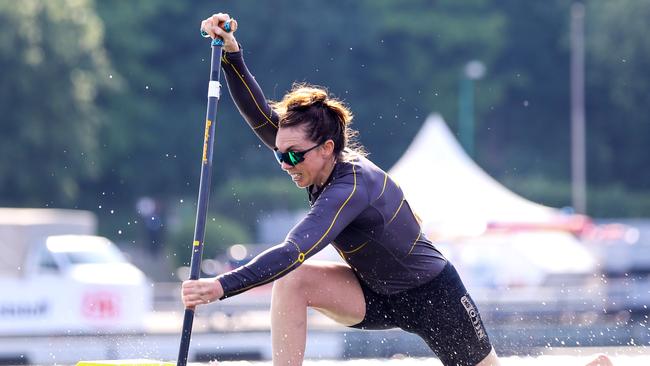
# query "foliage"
(553, 193)
(220, 233)
(249, 200)
(612, 200)
(109, 106)
(54, 67)
(618, 94)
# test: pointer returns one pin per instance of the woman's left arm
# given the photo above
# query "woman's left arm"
(338, 205)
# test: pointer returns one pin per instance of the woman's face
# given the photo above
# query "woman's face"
(317, 163)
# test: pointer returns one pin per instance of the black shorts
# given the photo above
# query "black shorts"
(441, 312)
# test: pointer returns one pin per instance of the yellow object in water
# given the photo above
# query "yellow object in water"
(136, 362)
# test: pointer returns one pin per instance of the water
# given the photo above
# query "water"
(549, 360)
(576, 356)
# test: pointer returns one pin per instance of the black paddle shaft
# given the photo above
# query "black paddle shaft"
(204, 192)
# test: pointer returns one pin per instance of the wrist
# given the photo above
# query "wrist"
(218, 288)
(231, 47)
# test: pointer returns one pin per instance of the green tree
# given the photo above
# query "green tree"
(618, 93)
(220, 233)
(526, 137)
(109, 106)
(248, 200)
(392, 62)
(527, 132)
(351, 50)
(54, 67)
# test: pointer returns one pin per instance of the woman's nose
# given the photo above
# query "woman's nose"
(285, 166)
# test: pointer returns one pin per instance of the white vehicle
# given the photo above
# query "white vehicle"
(56, 278)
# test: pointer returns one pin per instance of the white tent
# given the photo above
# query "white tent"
(457, 201)
(452, 194)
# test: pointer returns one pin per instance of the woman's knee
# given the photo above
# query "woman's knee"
(294, 282)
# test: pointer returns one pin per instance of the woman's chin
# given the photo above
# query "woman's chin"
(299, 184)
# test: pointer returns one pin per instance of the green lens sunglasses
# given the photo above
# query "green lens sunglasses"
(292, 158)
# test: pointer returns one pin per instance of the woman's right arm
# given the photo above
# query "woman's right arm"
(244, 90)
(249, 98)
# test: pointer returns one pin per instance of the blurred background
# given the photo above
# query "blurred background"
(530, 116)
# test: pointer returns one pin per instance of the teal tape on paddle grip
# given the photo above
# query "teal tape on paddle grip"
(218, 41)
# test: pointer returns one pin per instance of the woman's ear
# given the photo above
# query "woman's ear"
(328, 147)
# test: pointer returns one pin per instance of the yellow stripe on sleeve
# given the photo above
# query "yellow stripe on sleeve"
(415, 242)
(384, 187)
(356, 249)
(260, 126)
(396, 212)
(301, 258)
(354, 188)
(253, 97)
(302, 255)
(267, 281)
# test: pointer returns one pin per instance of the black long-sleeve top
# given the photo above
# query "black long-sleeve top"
(360, 210)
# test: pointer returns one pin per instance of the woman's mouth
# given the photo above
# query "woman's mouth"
(296, 176)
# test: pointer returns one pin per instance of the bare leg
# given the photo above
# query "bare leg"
(331, 288)
(600, 360)
(490, 360)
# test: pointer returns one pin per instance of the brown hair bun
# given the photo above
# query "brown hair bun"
(323, 117)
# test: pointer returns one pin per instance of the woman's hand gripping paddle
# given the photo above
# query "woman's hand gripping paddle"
(214, 88)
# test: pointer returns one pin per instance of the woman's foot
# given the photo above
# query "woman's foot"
(600, 360)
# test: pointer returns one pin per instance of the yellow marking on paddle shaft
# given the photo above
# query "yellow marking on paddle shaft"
(206, 136)
(197, 243)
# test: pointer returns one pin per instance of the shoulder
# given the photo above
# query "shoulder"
(347, 186)
(359, 171)
(361, 166)
(350, 168)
